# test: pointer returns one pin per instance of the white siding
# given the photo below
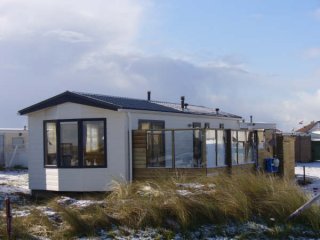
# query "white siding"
(97, 179)
(84, 179)
(184, 120)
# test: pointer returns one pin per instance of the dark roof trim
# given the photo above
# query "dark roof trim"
(68, 97)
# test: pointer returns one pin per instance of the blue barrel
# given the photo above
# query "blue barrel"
(269, 164)
(272, 165)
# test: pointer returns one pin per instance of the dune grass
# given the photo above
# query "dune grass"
(239, 198)
(178, 204)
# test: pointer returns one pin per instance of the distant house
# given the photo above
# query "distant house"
(312, 130)
(81, 141)
(13, 147)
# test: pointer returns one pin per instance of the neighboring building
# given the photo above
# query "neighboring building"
(13, 147)
(312, 130)
(82, 141)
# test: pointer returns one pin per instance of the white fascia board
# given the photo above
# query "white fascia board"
(177, 114)
(257, 125)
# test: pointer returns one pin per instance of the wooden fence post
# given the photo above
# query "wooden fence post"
(8, 217)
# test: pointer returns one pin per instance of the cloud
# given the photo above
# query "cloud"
(51, 46)
(303, 106)
(111, 23)
(68, 36)
(316, 13)
(312, 53)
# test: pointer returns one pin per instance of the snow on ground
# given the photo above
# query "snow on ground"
(12, 181)
(312, 173)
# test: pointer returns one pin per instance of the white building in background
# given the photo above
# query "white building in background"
(13, 147)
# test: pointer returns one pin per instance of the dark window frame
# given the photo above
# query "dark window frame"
(80, 142)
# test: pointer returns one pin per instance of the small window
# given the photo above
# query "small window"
(207, 125)
(50, 144)
(17, 141)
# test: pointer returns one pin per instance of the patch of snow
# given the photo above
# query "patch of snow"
(184, 192)
(14, 182)
(312, 171)
(191, 185)
(20, 213)
(77, 203)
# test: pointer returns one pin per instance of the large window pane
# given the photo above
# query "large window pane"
(93, 143)
(221, 148)
(51, 143)
(234, 147)
(155, 149)
(156, 152)
(211, 142)
(242, 142)
(197, 145)
(184, 149)
(69, 144)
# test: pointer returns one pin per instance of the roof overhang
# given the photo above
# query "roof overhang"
(68, 97)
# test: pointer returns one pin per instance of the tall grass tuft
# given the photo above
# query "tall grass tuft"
(239, 197)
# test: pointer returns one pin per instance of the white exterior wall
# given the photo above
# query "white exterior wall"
(78, 179)
(176, 120)
(12, 157)
(98, 179)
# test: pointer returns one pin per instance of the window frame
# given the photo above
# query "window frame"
(80, 143)
(162, 122)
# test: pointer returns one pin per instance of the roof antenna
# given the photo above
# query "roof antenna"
(149, 95)
(182, 103)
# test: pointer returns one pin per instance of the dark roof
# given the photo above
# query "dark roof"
(115, 103)
(307, 128)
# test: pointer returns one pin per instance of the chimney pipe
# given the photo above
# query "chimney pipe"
(217, 111)
(251, 119)
(182, 103)
(149, 95)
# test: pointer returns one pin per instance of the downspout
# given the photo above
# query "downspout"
(130, 147)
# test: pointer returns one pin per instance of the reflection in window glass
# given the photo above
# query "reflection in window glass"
(221, 148)
(93, 137)
(242, 142)
(234, 147)
(261, 139)
(155, 142)
(69, 144)
(184, 149)
(50, 144)
(211, 142)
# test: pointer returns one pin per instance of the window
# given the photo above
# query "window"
(197, 145)
(17, 141)
(75, 143)
(242, 147)
(155, 142)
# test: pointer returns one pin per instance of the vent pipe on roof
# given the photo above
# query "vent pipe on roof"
(251, 119)
(149, 95)
(182, 103)
(217, 111)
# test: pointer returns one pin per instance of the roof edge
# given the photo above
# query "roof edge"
(64, 97)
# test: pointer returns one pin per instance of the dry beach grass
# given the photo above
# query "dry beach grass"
(176, 203)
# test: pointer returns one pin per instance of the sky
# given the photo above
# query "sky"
(246, 57)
